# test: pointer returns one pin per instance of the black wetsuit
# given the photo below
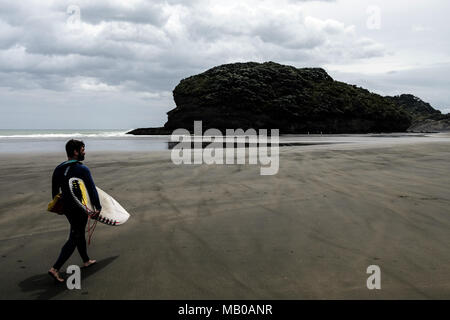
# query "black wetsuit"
(76, 216)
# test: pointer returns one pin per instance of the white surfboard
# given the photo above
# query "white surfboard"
(112, 213)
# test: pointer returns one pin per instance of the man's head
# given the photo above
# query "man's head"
(75, 149)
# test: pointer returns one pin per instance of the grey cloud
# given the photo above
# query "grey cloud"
(148, 13)
(141, 50)
(118, 53)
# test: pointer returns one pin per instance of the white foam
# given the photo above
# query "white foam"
(106, 134)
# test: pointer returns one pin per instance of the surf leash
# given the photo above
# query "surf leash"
(91, 229)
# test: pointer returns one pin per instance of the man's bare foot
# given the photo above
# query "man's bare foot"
(55, 275)
(89, 263)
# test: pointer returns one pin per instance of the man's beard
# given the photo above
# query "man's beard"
(80, 157)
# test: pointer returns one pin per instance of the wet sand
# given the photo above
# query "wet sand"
(226, 232)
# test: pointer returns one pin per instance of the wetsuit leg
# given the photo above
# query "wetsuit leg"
(80, 239)
(78, 221)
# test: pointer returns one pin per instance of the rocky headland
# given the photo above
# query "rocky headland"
(294, 100)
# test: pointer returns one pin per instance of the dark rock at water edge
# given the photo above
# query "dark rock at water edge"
(435, 123)
(424, 117)
(151, 131)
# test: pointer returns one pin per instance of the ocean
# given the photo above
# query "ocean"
(51, 140)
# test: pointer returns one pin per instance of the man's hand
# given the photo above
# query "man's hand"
(95, 214)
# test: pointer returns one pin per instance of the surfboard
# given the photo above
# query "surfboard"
(112, 214)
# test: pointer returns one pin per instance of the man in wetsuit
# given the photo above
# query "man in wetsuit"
(73, 167)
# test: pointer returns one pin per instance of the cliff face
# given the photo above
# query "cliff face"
(270, 95)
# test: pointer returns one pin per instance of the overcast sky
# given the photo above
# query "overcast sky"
(113, 64)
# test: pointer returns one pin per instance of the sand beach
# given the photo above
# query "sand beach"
(226, 232)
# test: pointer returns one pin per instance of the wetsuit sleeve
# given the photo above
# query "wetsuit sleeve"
(90, 186)
(55, 183)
